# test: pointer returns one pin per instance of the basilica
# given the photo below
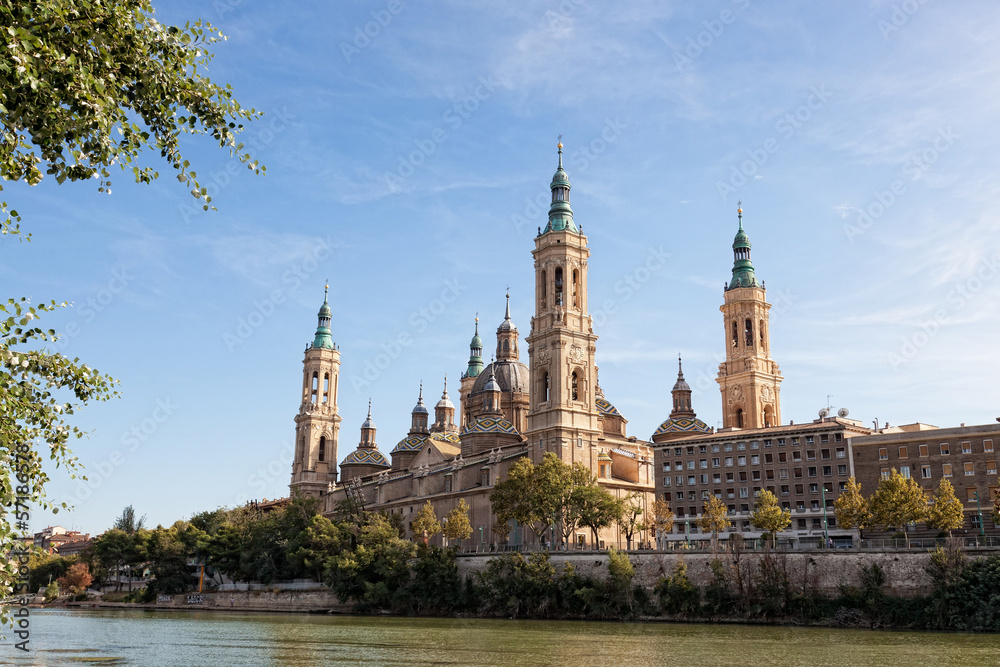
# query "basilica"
(509, 409)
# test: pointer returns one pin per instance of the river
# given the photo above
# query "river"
(163, 639)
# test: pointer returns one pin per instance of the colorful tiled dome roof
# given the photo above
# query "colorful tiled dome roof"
(683, 425)
(490, 425)
(366, 457)
(411, 443)
(447, 437)
(605, 408)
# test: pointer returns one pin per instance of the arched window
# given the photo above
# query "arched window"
(506, 346)
(322, 449)
(739, 417)
(736, 337)
(544, 288)
(315, 386)
(760, 329)
(576, 288)
(749, 332)
(574, 387)
(559, 286)
(545, 386)
(326, 387)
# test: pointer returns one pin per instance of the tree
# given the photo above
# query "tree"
(76, 580)
(947, 512)
(456, 522)
(578, 478)
(597, 509)
(426, 524)
(128, 523)
(630, 521)
(116, 552)
(321, 541)
(376, 571)
(512, 499)
(851, 508)
(768, 515)
(897, 501)
(660, 519)
(84, 87)
(714, 519)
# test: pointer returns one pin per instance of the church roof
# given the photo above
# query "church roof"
(510, 375)
(683, 425)
(414, 443)
(366, 457)
(605, 408)
(490, 425)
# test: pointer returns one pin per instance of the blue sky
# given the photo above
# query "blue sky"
(403, 165)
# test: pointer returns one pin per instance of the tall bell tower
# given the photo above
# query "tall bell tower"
(749, 379)
(563, 417)
(317, 424)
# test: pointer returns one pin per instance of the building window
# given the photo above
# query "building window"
(825, 437)
(691, 481)
(691, 464)
(827, 471)
(545, 387)
(704, 479)
(781, 442)
(904, 471)
(784, 489)
(797, 472)
(810, 440)
(717, 478)
(842, 469)
(902, 452)
(923, 450)
(728, 447)
(690, 451)
(741, 460)
(485, 478)
(814, 488)
(703, 449)
(971, 493)
(715, 462)
(970, 469)
(768, 458)
(782, 457)
(796, 456)
(729, 477)
(755, 459)
(703, 464)
(883, 453)
(841, 453)
(767, 444)
(946, 470)
(944, 449)
(575, 386)
(966, 447)
(448, 480)
(991, 467)
(741, 446)
(810, 455)
(715, 449)
(679, 480)
(666, 481)
(754, 444)
(925, 472)
(812, 471)
(884, 473)
(666, 466)
(756, 475)
(579, 442)
(729, 461)
(744, 492)
(322, 449)
(987, 445)
(783, 473)
(824, 453)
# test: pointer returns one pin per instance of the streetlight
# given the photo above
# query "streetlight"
(982, 528)
(687, 532)
(826, 532)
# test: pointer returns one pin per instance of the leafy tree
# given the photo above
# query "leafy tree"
(768, 515)
(577, 478)
(76, 580)
(677, 594)
(321, 541)
(168, 560)
(116, 552)
(456, 523)
(996, 510)
(947, 512)
(85, 86)
(630, 520)
(128, 523)
(376, 572)
(512, 499)
(597, 509)
(621, 572)
(44, 568)
(897, 501)
(52, 591)
(660, 519)
(714, 519)
(851, 508)
(426, 524)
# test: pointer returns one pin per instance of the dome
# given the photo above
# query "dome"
(490, 425)
(512, 376)
(477, 342)
(683, 425)
(560, 179)
(420, 408)
(411, 443)
(681, 385)
(605, 408)
(446, 437)
(369, 424)
(370, 457)
(445, 403)
(741, 240)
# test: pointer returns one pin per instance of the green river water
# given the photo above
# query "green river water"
(219, 638)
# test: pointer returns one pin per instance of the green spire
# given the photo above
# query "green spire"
(560, 213)
(475, 354)
(743, 273)
(323, 338)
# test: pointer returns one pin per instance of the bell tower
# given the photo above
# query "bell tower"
(317, 424)
(749, 379)
(563, 417)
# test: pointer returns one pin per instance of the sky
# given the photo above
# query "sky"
(408, 151)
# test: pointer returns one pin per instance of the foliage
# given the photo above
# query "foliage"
(597, 509)
(52, 591)
(621, 572)
(851, 508)
(128, 523)
(436, 586)
(116, 552)
(167, 554)
(970, 600)
(456, 525)
(660, 518)
(376, 572)
(947, 512)
(43, 568)
(76, 580)
(630, 520)
(676, 593)
(321, 540)
(768, 515)
(897, 501)
(426, 524)
(714, 518)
